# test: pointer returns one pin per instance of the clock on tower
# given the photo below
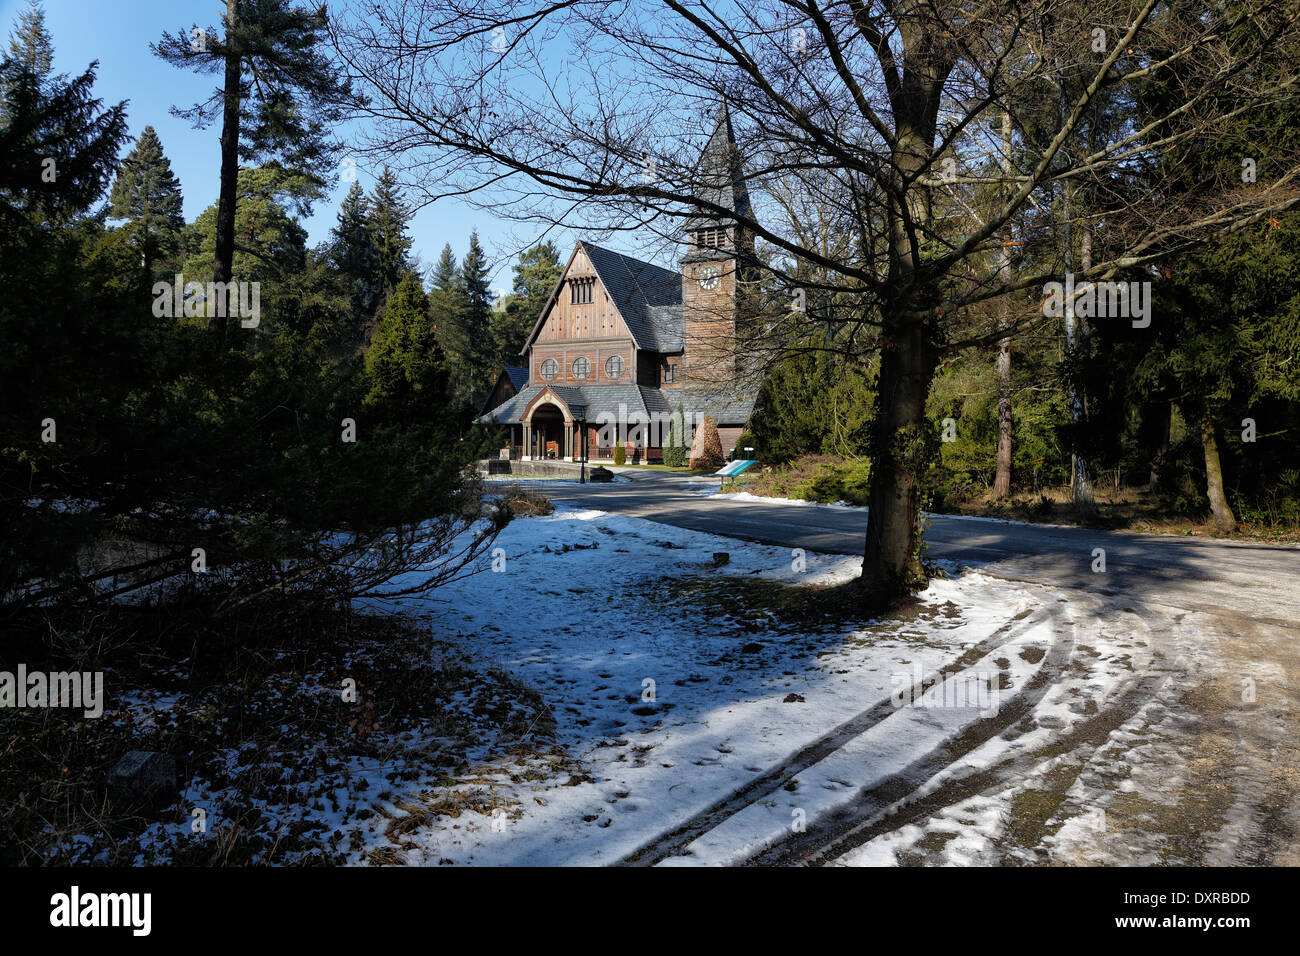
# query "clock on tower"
(718, 241)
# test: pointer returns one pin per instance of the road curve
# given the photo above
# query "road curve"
(1258, 581)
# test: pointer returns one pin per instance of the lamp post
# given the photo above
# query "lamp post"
(582, 424)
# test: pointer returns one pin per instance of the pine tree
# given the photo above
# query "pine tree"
(279, 99)
(387, 215)
(464, 332)
(147, 194)
(536, 273)
(446, 295)
(403, 361)
(31, 54)
(30, 46)
(57, 148)
(353, 253)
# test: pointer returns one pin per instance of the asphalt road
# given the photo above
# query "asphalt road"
(1188, 746)
(1257, 581)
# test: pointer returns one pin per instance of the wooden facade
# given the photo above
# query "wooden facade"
(615, 321)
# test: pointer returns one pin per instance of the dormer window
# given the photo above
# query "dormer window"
(581, 291)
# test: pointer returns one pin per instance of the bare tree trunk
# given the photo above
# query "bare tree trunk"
(1225, 521)
(891, 565)
(223, 260)
(1002, 478)
(902, 439)
(1080, 480)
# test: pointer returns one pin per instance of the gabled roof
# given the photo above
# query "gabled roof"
(648, 297)
(518, 376)
(720, 178)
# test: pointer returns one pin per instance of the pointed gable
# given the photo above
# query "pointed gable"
(645, 299)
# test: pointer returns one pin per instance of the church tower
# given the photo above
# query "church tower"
(715, 264)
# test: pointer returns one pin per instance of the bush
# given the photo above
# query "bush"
(847, 482)
(675, 456)
(706, 454)
(745, 440)
(523, 502)
(620, 454)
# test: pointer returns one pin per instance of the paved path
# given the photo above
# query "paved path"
(1260, 581)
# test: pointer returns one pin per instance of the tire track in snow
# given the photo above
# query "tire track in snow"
(891, 805)
(827, 832)
(674, 841)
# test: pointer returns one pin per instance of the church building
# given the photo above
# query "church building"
(623, 346)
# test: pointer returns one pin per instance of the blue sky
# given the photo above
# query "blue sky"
(117, 33)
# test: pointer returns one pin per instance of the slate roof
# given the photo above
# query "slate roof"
(518, 376)
(648, 297)
(726, 406)
(590, 402)
(721, 175)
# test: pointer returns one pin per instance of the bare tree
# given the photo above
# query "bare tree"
(589, 114)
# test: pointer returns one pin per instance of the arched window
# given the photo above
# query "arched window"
(550, 369)
(581, 368)
(614, 366)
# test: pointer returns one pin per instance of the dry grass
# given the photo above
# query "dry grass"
(256, 714)
(524, 503)
(1125, 509)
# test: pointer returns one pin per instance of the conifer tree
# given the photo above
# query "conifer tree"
(30, 46)
(353, 253)
(445, 296)
(536, 273)
(279, 99)
(147, 194)
(403, 361)
(387, 215)
(464, 332)
(57, 144)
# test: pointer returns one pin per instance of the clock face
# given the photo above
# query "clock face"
(708, 278)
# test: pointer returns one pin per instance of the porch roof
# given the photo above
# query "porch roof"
(587, 403)
(590, 402)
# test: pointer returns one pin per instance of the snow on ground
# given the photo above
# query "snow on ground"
(672, 695)
(998, 722)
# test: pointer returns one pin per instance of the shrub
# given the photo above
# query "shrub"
(706, 453)
(523, 502)
(675, 456)
(837, 482)
(620, 454)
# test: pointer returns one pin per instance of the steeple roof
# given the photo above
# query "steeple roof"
(720, 176)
